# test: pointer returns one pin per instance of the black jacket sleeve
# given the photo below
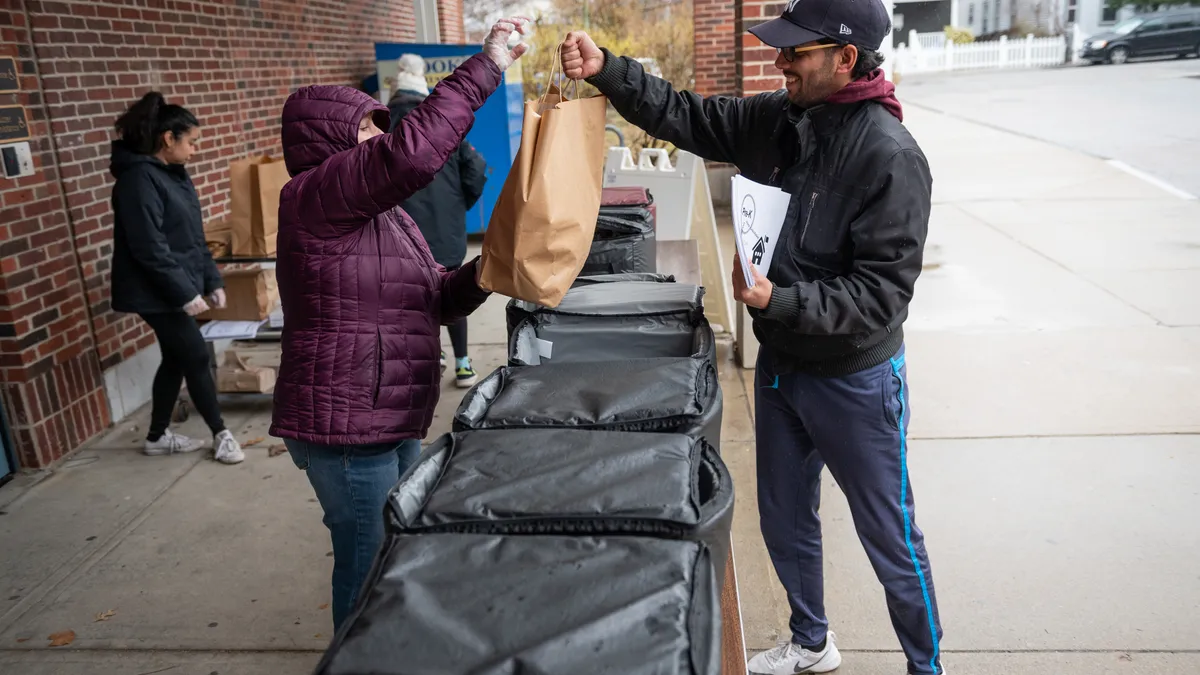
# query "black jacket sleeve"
(472, 171)
(717, 128)
(888, 239)
(212, 275)
(140, 208)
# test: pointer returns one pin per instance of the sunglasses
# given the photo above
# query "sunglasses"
(789, 53)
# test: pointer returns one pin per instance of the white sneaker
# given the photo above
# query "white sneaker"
(228, 450)
(170, 443)
(792, 658)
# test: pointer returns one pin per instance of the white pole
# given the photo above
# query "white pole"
(954, 13)
(886, 49)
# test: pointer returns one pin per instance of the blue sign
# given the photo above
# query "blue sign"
(497, 131)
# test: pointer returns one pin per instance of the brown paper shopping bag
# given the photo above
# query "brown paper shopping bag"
(542, 225)
(254, 186)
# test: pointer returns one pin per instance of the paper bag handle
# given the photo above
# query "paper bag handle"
(556, 68)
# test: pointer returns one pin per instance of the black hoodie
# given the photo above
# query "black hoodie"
(440, 209)
(160, 261)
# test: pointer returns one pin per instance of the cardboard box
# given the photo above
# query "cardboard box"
(250, 295)
(236, 376)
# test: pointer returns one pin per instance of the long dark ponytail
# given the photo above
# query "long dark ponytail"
(143, 125)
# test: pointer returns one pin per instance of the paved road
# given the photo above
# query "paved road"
(1143, 114)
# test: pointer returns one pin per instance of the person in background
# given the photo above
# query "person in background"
(363, 296)
(161, 267)
(440, 210)
(831, 380)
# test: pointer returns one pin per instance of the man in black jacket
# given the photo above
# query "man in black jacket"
(831, 381)
(440, 209)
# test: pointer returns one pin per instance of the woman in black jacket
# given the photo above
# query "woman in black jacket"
(440, 209)
(161, 267)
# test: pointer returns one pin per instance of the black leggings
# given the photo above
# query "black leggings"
(184, 356)
(458, 331)
(458, 337)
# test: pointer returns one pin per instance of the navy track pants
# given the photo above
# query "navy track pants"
(856, 426)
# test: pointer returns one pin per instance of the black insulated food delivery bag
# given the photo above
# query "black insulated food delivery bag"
(668, 395)
(622, 243)
(567, 481)
(495, 604)
(615, 321)
(652, 277)
(519, 309)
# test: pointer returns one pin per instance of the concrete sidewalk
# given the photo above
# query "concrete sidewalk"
(1053, 352)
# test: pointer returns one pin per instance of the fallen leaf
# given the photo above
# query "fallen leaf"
(62, 638)
(324, 606)
(1125, 657)
(318, 636)
(276, 450)
(22, 639)
(253, 441)
(105, 616)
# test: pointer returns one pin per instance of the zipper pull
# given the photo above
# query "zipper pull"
(774, 175)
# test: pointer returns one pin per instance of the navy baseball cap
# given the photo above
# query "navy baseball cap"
(862, 23)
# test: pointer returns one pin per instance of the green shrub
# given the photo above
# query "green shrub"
(959, 36)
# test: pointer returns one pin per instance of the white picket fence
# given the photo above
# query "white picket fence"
(1031, 52)
(928, 40)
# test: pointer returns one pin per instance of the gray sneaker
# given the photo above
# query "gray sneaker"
(170, 443)
(227, 449)
(790, 658)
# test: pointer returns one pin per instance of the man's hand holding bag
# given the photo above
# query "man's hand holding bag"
(542, 225)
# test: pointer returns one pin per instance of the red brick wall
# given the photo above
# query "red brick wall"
(231, 63)
(450, 22)
(51, 382)
(715, 47)
(756, 61)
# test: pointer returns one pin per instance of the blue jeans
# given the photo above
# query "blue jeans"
(352, 483)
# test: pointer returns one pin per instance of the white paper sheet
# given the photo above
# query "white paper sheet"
(230, 330)
(758, 213)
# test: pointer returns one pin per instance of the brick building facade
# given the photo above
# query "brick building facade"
(80, 64)
(729, 60)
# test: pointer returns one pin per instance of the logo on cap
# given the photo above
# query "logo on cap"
(844, 30)
(792, 4)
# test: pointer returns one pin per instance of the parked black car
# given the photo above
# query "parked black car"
(1166, 33)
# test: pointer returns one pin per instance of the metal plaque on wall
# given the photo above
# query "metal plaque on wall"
(10, 79)
(13, 126)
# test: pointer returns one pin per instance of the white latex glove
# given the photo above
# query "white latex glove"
(196, 306)
(496, 44)
(217, 299)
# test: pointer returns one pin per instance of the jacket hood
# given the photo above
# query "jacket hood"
(123, 159)
(873, 87)
(321, 121)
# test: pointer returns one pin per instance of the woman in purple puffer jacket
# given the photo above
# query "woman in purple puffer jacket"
(362, 296)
